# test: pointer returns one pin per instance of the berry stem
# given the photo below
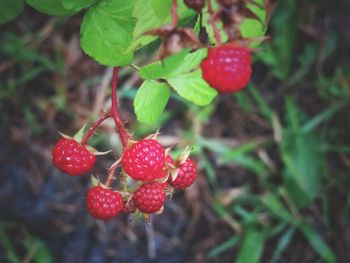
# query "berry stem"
(175, 17)
(123, 133)
(212, 22)
(94, 127)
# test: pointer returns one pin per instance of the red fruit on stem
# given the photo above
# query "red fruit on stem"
(144, 161)
(149, 198)
(72, 158)
(103, 203)
(186, 176)
(227, 68)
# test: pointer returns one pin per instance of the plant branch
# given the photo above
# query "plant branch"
(175, 17)
(212, 22)
(123, 133)
(94, 127)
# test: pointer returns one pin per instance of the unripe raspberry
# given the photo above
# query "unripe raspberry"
(186, 176)
(149, 198)
(103, 203)
(72, 158)
(227, 68)
(144, 161)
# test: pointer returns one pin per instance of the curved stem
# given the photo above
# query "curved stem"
(94, 127)
(212, 22)
(124, 135)
(174, 15)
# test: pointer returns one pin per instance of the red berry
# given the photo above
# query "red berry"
(149, 198)
(144, 160)
(72, 158)
(186, 176)
(227, 68)
(103, 203)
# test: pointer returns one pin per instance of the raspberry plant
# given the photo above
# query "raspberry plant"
(111, 32)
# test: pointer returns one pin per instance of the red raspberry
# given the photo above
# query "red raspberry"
(144, 161)
(72, 158)
(186, 176)
(149, 198)
(227, 68)
(103, 203)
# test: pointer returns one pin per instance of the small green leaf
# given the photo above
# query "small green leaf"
(106, 32)
(80, 134)
(150, 101)
(276, 206)
(317, 243)
(252, 246)
(77, 5)
(303, 158)
(152, 14)
(282, 244)
(41, 253)
(9, 10)
(229, 243)
(163, 69)
(50, 7)
(174, 65)
(193, 88)
(250, 28)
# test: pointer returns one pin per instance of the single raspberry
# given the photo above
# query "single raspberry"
(72, 158)
(144, 161)
(149, 198)
(103, 203)
(227, 68)
(186, 176)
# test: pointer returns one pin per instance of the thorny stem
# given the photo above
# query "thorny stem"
(124, 135)
(174, 15)
(111, 172)
(212, 22)
(94, 127)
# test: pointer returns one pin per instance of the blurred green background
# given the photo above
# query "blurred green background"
(274, 159)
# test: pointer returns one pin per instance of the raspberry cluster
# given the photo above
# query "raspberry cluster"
(148, 174)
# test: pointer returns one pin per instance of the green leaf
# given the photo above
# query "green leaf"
(80, 134)
(41, 253)
(152, 14)
(276, 206)
(50, 7)
(303, 158)
(106, 32)
(252, 246)
(174, 65)
(283, 244)
(163, 69)
(150, 101)
(229, 243)
(77, 5)
(9, 10)
(253, 27)
(317, 120)
(317, 243)
(249, 27)
(193, 88)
